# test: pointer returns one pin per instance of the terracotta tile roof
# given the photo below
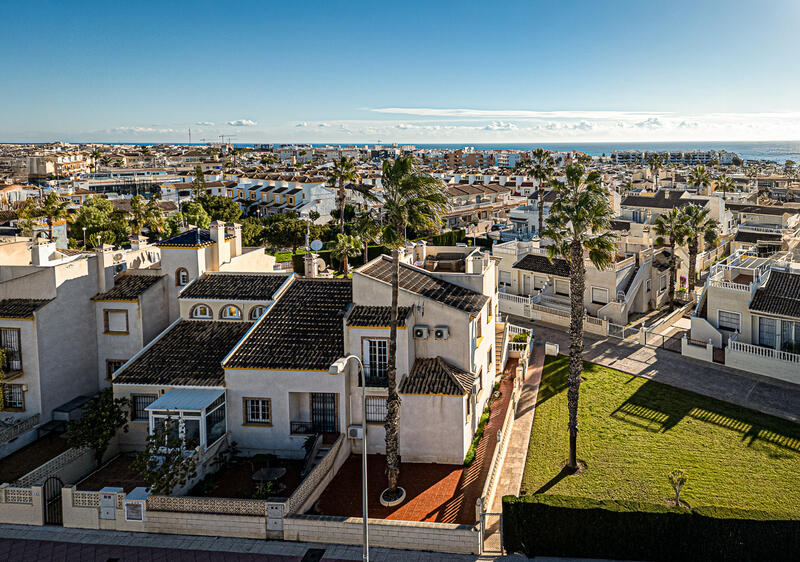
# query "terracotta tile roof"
(780, 295)
(759, 209)
(542, 264)
(416, 280)
(20, 308)
(437, 376)
(239, 286)
(662, 199)
(376, 315)
(188, 354)
(129, 286)
(192, 237)
(303, 329)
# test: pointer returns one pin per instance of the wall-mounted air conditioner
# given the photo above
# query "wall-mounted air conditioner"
(355, 432)
(441, 332)
(420, 332)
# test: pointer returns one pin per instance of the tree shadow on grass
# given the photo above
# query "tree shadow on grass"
(555, 378)
(658, 408)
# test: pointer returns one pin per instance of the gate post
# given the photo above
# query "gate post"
(481, 523)
(38, 501)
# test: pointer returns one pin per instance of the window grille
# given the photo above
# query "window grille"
(140, 402)
(376, 409)
(9, 340)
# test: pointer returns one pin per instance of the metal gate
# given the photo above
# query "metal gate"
(323, 413)
(621, 332)
(491, 524)
(52, 498)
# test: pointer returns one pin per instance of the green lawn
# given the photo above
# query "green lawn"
(633, 432)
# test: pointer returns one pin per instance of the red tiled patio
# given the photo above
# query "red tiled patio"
(435, 492)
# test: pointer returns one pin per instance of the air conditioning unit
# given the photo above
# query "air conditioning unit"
(421, 332)
(355, 432)
(120, 267)
(441, 332)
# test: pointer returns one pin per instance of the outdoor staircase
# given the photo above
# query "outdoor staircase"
(499, 346)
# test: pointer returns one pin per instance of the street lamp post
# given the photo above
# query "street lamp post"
(84, 237)
(339, 367)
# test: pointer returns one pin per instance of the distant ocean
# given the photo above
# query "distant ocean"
(777, 151)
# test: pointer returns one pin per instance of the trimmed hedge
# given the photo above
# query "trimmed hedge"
(552, 525)
(450, 238)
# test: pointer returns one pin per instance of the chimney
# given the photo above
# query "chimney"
(222, 250)
(236, 231)
(421, 251)
(41, 252)
(138, 242)
(104, 262)
(311, 264)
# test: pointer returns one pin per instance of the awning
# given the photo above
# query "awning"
(186, 399)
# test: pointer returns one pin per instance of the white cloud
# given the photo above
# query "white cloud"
(500, 126)
(205, 123)
(302, 124)
(139, 130)
(650, 123)
(323, 125)
(466, 112)
(242, 123)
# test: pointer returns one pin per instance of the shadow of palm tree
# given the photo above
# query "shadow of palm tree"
(555, 378)
(553, 481)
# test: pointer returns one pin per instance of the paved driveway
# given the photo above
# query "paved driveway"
(752, 391)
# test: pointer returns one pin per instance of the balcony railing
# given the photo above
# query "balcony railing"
(301, 427)
(766, 352)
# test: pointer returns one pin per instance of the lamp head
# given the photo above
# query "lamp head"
(337, 367)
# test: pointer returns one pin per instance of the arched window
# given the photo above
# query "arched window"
(256, 312)
(231, 312)
(201, 311)
(181, 277)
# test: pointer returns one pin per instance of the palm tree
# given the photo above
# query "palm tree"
(346, 246)
(699, 178)
(343, 173)
(670, 224)
(418, 201)
(52, 209)
(146, 214)
(368, 229)
(542, 170)
(655, 163)
(696, 226)
(96, 154)
(725, 184)
(579, 220)
(751, 172)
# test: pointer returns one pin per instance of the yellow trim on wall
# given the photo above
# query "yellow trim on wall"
(30, 319)
(374, 327)
(117, 300)
(478, 342)
(282, 370)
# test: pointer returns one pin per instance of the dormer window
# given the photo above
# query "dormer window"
(181, 277)
(201, 311)
(256, 312)
(231, 312)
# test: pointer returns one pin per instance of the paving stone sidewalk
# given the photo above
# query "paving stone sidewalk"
(770, 396)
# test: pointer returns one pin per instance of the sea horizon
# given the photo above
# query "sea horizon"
(776, 151)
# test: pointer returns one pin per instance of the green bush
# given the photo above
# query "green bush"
(470, 457)
(450, 238)
(332, 262)
(521, 337)
(552, 525)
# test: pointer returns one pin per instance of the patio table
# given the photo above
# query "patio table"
(269, 474)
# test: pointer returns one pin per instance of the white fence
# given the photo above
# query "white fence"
(17, 429)
(70, 466)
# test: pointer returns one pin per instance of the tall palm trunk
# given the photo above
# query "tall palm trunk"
(692, 265)
(577, 286)
(541, 208)
(672, 266)
(341, 222)
(50, 227)
(393, 400)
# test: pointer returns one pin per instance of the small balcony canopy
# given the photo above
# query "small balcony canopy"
(186, 399)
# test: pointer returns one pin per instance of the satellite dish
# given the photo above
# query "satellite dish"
(316, 245)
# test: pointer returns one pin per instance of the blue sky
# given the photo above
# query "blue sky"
(405, 72)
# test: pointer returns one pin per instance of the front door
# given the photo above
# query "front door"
(323, 413)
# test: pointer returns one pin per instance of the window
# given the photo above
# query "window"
(662, 283)
(479, 326)
(256, 312)
(562, 287)
(14, 397)
(469, 407)
(181, 277)
(9, 340)
(647, 285)
(231, 312)
(766, 331)
(599, 295)
(376, 364)
(216, 425)
(201, 311)
(115, 321)
(140, 402)
(489, 364)
(376, 409)
(258, 411)
(112, 365)
(730, 321)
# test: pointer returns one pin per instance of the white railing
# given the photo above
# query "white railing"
(18, 428)
(550, 310)
(43, 472)
(730, 285)
(766, 352)
(513, 298)
(771, 229)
